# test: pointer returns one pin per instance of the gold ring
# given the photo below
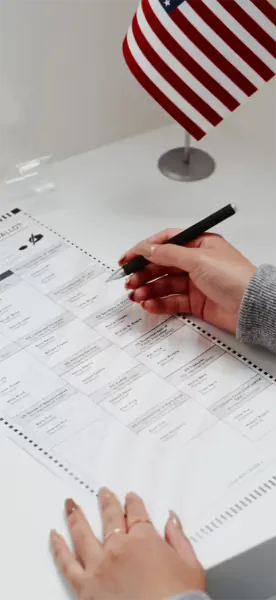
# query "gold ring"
(117, 530)
(137, 521)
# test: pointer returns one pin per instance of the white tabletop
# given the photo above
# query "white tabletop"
(105, 201)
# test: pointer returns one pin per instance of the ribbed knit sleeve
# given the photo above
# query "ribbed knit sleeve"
(257, 322)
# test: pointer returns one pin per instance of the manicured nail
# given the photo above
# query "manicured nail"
(132, 495)
(175, 519)
(105, 492)
(122, 261)
(70, 506)
(127, 283)
(54, 536)
(146, 249)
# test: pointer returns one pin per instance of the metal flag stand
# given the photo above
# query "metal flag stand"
(186, 164)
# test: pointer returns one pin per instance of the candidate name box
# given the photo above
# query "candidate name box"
(135, 396)
(181, 353)
(152, 409)
(176, 420)
(89, 375)
(123, 322)
(256, 418)
(61, 421)
(210, 384)
(58, 268)
(27, 387)
(23, 309)
(81, 294)
(64, 343)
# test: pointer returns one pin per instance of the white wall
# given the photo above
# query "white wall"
(64, 85)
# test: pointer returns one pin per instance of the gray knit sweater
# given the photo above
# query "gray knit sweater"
(257, 325)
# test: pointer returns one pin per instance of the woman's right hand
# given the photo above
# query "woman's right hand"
(207, 279)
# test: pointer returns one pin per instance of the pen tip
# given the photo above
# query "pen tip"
(116, 275)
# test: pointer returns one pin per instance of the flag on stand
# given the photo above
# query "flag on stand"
(202, 59)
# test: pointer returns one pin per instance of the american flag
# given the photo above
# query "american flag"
(202, 59)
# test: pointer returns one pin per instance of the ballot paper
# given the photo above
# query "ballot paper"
(105, 394)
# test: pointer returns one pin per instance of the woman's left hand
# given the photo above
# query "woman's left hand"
(133, 562)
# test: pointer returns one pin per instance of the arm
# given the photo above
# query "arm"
(257, 321)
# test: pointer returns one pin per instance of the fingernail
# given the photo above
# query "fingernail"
(146, 249)
(105, 491)
(142, 304)
(122, 261)
(131, 495)
(70, 506)
(175, 519)
(54, 536)
(131, 297)
(127, 283)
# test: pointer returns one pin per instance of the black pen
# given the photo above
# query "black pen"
(181, 239)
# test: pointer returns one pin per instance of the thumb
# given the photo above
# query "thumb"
(170, 255)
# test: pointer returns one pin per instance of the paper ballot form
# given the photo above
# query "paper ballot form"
(104, 394)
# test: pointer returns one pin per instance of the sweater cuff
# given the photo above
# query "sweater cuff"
(257, 321)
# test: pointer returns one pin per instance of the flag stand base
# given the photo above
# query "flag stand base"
(195, 166)
(186, 163)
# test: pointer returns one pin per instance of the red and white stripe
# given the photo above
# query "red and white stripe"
(205, 59)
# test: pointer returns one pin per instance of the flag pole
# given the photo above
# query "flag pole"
(187, 147)
(186, 163)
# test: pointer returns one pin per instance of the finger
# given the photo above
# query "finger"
(66, 561)
(173, 305)
(112, 513)
(158, 238)
(165, 286)
(176, 538)
(87, 546)
(169, 255)
(136, 513)
(149, 274)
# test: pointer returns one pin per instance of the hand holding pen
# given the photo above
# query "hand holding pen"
(207, 278)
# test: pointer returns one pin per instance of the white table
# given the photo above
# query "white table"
(104, 201)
